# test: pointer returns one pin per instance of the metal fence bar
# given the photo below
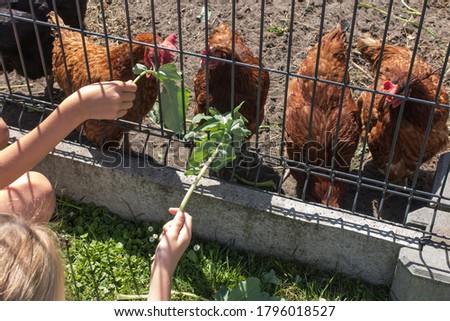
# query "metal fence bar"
(425, 139)
(19, 49)
(288, 68)
(260, 53)
(8, 84)
(205, 6)
(233, 50)
(127, 15)
(313, 97)
(341, 100)
(180, 42)
(105, 32)
(402, 107)
(41, 55)
(375, 84)
(153, 16)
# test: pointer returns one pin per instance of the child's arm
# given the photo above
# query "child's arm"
(107, 100)
(173, 242)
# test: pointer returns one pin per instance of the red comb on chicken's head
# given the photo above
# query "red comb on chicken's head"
(391, 88)
(164, 56)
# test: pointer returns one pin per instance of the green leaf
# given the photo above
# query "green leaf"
(209, 126)
(139, 68)
(168, 72)
(221, 294)
(217, 136)
(229, 152)
(238, 115)
(198, 118)
(271, 277)
(213, 111)
(191, 170)
(191, 255)
(250, 290)
(187, 94)
(172, 107)
(221, 129)
(225, 156)
(227, 138)
(190, 136)
(202, 151)
(220, 163)
(239, 132)
(172, 95)
(236, 110)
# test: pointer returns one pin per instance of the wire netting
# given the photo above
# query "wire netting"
(279, 34)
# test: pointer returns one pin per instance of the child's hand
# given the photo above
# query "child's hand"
(174, 240)
(104, 100)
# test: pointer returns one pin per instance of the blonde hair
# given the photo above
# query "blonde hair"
(30, 263)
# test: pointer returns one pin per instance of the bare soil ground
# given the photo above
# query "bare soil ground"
(275, 48)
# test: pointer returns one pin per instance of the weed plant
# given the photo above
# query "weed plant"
(108, 257)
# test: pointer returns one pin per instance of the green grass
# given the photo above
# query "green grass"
(107, 256)
(278, 30)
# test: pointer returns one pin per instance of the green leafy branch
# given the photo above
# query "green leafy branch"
(216, 137)
(171, 94)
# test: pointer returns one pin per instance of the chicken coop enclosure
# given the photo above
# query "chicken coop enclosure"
(347, 101)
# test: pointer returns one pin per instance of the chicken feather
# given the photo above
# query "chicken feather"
(68, 52)
(423, 85)
(318, 150)
(246, 78)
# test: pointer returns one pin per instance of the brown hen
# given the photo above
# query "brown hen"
(220, 75)
(318, 149)
(68, 52)
(423, 85)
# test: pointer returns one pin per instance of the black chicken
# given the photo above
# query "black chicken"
(28, 43)
(33, 66)
(66, 9)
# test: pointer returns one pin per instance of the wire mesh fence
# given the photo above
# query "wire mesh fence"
(338, 116)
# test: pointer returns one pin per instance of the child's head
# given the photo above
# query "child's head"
(30, 264)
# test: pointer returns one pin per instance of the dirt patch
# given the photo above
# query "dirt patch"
(277, 30)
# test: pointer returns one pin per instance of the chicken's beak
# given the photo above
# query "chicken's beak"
(203, 59)
(148, 58)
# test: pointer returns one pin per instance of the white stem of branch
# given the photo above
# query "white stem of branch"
(198, 178)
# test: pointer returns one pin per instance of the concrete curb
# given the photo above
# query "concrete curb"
(250, 219)
(422, 275)
(425, 274)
